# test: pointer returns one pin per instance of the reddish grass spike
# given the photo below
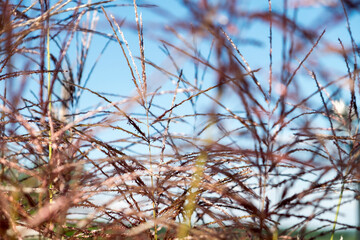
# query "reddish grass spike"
(270, 50)
(248, 69)
(288, 82)
(123, 51)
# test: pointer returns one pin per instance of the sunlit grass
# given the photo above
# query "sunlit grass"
(205, 144)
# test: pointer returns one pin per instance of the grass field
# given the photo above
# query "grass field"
(162, 119)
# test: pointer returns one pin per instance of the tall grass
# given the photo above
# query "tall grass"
(232, 127)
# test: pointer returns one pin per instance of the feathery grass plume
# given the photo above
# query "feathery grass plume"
(198, 120)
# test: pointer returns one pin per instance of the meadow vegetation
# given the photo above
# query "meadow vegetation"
(218, 120)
